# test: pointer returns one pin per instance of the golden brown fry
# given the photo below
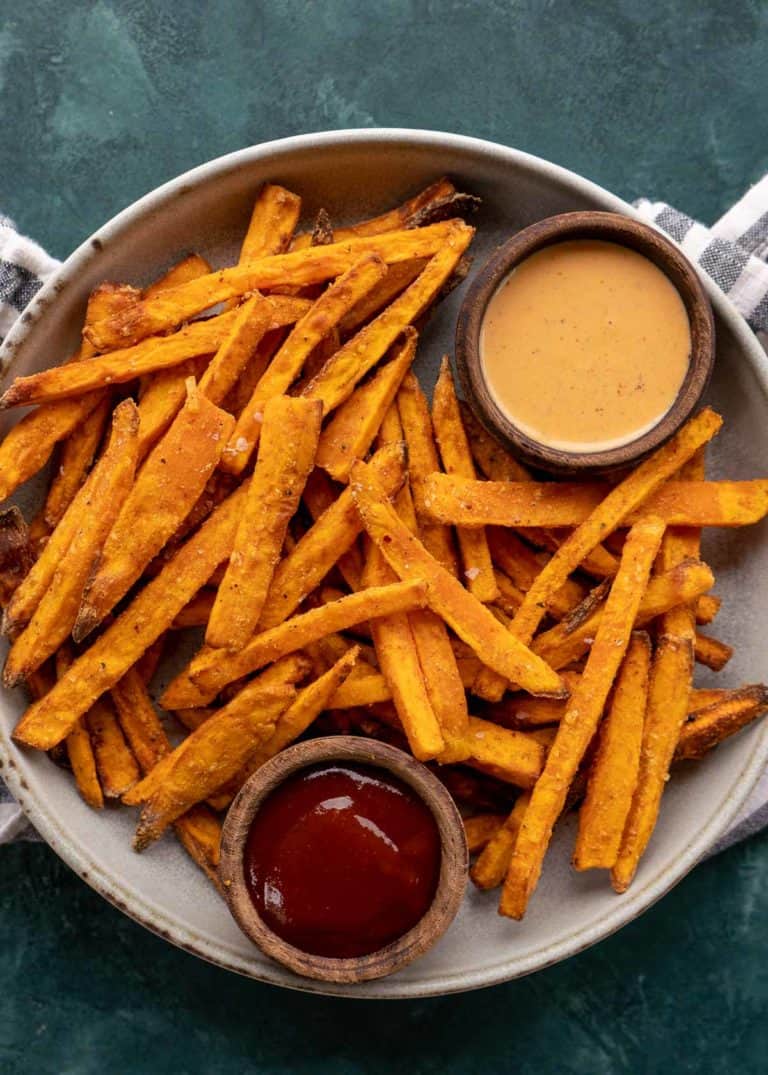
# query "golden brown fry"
(711, 652)
(161, 397)
(285, 367)
(115, 763)
(706, 608)
(333, 534)
(365, 687)
(396, 281)
(319, 494)
(238, 396)
(336, 380)
(491, 867)
(197, 611)
(614, 772)
(522, 565)
(252, 322)
(151, 612)
(581, 717)
(75, 458)
(423, 461)
(471, 620)
(139, 720)
(94, 510)
(724, 717)
(457, 459)
(480, 828)
(513, 756)
(351, 431)
(118, 367)
(272, 224)
(79, 747)
(314, 265)
(209, 670)
(189, 268)
(199, 832)
(167, 487)
(287, 450)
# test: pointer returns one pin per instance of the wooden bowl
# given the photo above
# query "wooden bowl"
(611, 227)
(453, 867)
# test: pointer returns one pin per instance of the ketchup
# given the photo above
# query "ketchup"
(342, 859)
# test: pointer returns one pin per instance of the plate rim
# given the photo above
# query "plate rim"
(140, 906)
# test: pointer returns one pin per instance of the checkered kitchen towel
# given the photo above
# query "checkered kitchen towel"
(734, 253)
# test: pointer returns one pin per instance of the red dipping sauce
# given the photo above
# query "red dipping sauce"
(342, 859)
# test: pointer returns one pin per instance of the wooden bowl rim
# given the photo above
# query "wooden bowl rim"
(611, 227)
(451, 883)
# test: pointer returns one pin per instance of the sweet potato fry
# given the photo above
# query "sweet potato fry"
(480, 828)
(94, 510)
(204, 761)
(118, 367)
(167, 487)
(199, 832)
(161, 397)
(285, 367)
(319, 494)
(79, 747)
(351, 431)
(727, 715)
(139, 720)
(457, 459)
(671, 674)
(151, 612)
(189, 268)
(15, 553)
(252, 322)
(396, 281)
(614, 772)
(298, 268)
(272, 224)
(471, 621)
(366, 688)
(706, 608)
(491, 867)
(241, 391)
(513, 756)
(423, 461)
(75, 458)
(115, 763)
(209, 670)
(197, 611)
(711, 652)
(287, 448)
(332, 535)
(522, 565)
(581, 717)
(336, 380)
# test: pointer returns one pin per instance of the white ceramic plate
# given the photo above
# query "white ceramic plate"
(352, 174)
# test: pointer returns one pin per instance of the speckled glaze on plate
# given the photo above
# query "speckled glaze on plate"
(355, 173)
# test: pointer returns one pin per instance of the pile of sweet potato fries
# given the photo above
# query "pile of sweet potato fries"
(271, 473)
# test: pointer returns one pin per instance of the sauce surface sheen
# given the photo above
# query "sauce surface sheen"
(585, 345)
(342, 859)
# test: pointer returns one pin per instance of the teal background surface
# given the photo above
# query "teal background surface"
(100, 103)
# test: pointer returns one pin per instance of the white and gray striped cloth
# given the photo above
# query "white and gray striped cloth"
(734, 252)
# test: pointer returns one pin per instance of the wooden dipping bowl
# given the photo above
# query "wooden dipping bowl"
(610, 227)
(453, 867)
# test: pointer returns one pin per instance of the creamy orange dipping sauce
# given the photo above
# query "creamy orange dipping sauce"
(585, 345)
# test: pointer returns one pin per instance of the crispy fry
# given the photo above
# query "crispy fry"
(139, 720)
(167, 487)
(161, 397)
(314, 265)
(423, 461)
(397, 280)
(721, 719)
(522, 565)
(351, 431)
(285, 367)
(251, 324)
(240, 393)
(151, 612)
(118, 367)
(197, 611)
(115, 763)
(94, 509)
(319, 495)
(491, 867)
(189, 268)
(272, 224)
(711, 652)
(209, 670)
(15, 553)
(457, 459)
(336, 380)
(199, 832)
(471, 621)
(332, 535)
(493, 461)
(76, 456)
(581, 717)
(480, 828)
(509, 755)
(287, 450)
(665, 715)
(80, 749)
(706, 608)
(613, 776)
(367, 687)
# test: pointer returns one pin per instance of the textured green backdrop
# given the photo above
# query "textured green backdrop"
(100, 103)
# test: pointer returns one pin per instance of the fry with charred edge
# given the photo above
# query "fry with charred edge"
(581, 717)
(287, 450)
(293, 722)
(319, 495)
(679, 585)
(118, 367)
(189, 268)
(314, 265)
(287, 364)
(209, 670)
(479, 829)
(252, 321)
(79, 747)
(711, 652)
(139, 720)
(336, 380)
(16, 556)
(75, 458)
(205, 760)
(168, 485)
(351, 431)
(115, 763)
(723, 718)
(332, 535)
(94, 508)
(665, 715)
(491, 867)
(457, 459)
(613, 775)
(272, 224)
(422, 461)
(151, 612)
(522, 565)
(389, 221)
(471, 620)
